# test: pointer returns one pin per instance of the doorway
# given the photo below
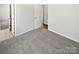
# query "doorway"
(45, 16)
(41, 16)
(5, 22)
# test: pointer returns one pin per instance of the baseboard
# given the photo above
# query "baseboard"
(64, 36)
(24, 32)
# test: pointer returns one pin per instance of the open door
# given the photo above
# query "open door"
(5, 22)
(38, 13)
(45, 16)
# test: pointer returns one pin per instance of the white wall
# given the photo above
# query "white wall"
(64, 19)
(24, 18)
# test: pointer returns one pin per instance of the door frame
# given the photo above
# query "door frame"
(12, 19)
(10, 28)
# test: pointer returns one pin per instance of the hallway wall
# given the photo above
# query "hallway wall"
(24, 18)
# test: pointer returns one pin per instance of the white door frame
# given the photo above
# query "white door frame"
(13, 19)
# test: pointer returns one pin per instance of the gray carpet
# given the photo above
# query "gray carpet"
(39, 41)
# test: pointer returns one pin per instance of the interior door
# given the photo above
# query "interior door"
(38, 13)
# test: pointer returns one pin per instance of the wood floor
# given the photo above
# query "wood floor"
(5, 34)
(45, 26)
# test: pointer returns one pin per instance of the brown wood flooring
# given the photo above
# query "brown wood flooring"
(45, 26)
(5, 34)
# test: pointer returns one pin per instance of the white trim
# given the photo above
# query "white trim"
(24, 32)
(14, 19)
(64, 35)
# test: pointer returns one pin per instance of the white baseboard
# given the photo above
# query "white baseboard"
(24, 32)
(64, 36)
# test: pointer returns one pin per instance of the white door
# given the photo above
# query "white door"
(38, 13)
